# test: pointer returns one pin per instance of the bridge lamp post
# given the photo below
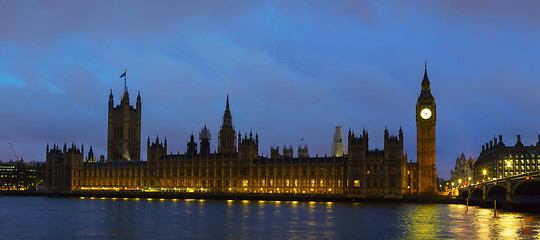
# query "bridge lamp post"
(484, 172)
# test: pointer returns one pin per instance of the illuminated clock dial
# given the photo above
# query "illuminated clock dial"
(425, 113)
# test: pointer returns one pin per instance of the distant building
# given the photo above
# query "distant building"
(21, 176)
(463, 172)
(498, 160)
(338, 146)
(238, 167)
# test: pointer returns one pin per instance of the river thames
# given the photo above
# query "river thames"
(110, 218)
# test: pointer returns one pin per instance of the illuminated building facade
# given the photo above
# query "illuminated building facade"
(338, 146)
(21, 176)
(235, 167)
(463, 173)
(426, 118)
(498, 160)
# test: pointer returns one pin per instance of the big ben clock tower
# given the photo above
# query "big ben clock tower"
(426, 118)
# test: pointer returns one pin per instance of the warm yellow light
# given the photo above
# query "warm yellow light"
(459, 181)
(509, 164)
(484, 172)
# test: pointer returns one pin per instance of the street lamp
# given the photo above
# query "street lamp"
(484, 171)
(459, 181)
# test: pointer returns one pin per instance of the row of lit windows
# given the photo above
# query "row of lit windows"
(522, 161)
(234, 183)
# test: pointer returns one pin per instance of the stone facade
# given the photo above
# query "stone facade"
(124, 130)
(498, 160)
(426, 118)
(238, 167)
(463, 173)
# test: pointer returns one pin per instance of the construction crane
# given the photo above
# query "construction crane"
(13, 149)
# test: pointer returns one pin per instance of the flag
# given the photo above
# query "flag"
(123, 74)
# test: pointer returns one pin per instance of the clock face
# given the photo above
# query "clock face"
(425, 113)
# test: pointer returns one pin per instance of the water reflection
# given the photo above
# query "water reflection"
(97, 218)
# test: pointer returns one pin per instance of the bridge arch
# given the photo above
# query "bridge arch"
(477, 194)
(463, 194)
(496, 192)
(527, 191)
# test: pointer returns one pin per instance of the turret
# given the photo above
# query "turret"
(393, 141)
(274, 152)
(191, 147)
(338, 146)
(90, 157)
(248, 148)
(303, 151)
(156, 151)
(111, 101)
(205, 138)
(287, 152)
(519, 143)
(139, 100)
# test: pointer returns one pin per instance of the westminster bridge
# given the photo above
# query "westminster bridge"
(519, 191)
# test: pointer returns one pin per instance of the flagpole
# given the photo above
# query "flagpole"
(125, 80)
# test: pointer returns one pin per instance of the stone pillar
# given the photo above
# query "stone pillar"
(509, 191)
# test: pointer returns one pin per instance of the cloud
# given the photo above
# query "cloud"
(292, 70)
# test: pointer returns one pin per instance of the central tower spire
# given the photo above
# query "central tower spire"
(227, 135)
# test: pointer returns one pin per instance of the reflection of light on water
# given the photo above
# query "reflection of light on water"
(527, 229)
(270, 220)
(509, 224)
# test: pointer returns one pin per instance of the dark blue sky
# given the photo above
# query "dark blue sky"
(292, 70)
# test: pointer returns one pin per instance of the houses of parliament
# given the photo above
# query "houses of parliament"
(237, 166)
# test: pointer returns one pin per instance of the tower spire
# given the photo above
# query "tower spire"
(226, 139)
(227, 106)
(227, 118)
(425, 92)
